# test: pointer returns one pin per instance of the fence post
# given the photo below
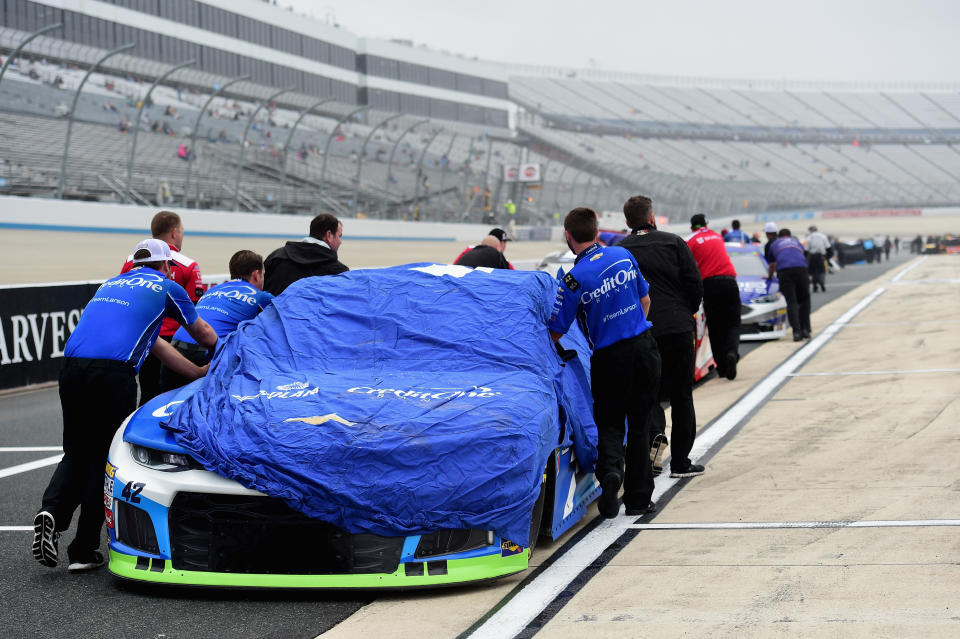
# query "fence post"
(243, 143)
(136, 124)
(25, 42)
(286, 147)
(423, 154)
(196, 128)
(73, 108)
(393, 152)
(363, 151)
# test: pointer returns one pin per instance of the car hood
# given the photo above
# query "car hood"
(144, 428)
(752, 287)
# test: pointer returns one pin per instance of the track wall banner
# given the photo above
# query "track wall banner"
(35, 323)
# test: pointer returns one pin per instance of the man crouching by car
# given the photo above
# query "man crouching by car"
(98, 389)
(607, 295)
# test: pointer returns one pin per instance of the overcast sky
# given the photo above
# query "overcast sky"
(846, 40)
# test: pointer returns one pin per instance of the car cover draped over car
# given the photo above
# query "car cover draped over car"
(396, 401)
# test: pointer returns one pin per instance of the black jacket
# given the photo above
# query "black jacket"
(483, 255)
(676, 289)
(297, 260)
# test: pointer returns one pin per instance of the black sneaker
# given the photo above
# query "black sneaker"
(806, 334)
(87, 562)
(730, 367)
(797, 336)
(690, 471)
(609, 504)
(649, 509)
(657, 450)
(45, 539)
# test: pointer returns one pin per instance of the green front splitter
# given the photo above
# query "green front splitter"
(409, 575)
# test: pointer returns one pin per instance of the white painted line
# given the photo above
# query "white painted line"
(517, 613)
(907, 269)
(22, 468)
(906, 323)
(14, 528)
(930, 280)
(29, 449)
(745, 525)
(902, 372)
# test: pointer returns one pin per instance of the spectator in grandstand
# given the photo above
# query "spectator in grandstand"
(790, 265)
(167, 227)
(607, 295)
(721, 295)
(818, 247)
(119, 326)
(736, 235)
(488, 253)
(676, 289)
(315, 254)
(223, 307)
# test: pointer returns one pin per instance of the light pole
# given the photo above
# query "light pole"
(136, 124)
(393, 151)
(243, 143)
(73, 108)
(326, 148)
(286, 147)
(363, 152)
(196, 128)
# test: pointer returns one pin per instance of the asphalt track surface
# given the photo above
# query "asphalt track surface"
(41, 602)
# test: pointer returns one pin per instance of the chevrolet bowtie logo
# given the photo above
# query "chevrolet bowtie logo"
(316, 420)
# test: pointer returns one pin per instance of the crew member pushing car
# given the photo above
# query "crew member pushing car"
(223, 307)
(98, 389)
(608, 297)
(167, 227)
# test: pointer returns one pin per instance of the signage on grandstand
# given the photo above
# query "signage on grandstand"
(521, 172)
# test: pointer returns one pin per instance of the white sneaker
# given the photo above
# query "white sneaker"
(90, 562)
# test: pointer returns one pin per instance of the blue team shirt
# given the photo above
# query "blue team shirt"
(787, 252)
(122, 321)
(736, 235)
(226, 305)
(602, 292)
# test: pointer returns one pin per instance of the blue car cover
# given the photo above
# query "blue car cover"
(396, 401)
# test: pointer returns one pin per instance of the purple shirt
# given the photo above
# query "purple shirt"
(788, 253)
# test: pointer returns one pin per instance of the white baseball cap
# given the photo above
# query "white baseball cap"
(159, 251)
(770, 227)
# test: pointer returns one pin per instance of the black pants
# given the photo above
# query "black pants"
(624, 378)
(818, 270)
(96, 396)
(794, 284)
(193, 352)
(677, 352)
(721, 306)
(149, 377)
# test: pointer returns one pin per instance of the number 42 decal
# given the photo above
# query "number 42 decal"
(131, 492)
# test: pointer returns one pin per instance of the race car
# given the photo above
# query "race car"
(763, 310)
(384, 428)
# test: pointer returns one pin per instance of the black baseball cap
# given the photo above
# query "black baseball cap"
(500, 234)
(698, 220)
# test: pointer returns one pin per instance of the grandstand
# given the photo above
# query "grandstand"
(278, 112)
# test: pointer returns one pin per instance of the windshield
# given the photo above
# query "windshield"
(749, 264)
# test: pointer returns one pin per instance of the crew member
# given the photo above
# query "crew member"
(223, 307)
(675, 293)
(607, 295)
(817, 248)
(770, 230)
(790, 265)
(721, 295)
(316, 254)
(98, 389)
(168, 227)
(488, 253)
(736, 235)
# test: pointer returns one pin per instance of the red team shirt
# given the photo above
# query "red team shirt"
(710, 253)
(185, 272)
